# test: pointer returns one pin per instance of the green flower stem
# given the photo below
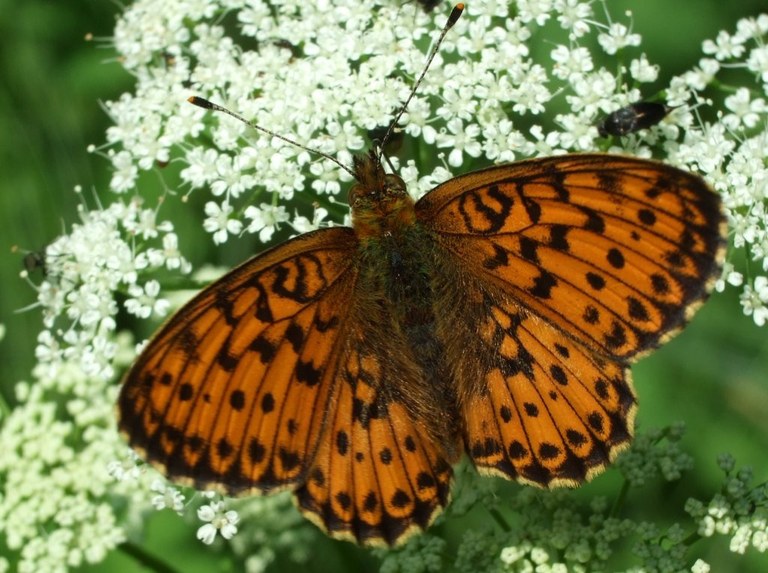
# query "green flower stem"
(503, 523)
(617, 505)
(149, 561)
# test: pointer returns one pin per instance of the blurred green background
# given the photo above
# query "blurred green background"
(714, 377)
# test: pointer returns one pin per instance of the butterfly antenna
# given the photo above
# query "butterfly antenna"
(205, 104)
(452, 19)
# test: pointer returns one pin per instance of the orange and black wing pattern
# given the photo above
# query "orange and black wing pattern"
(574, 266)
(379, 476)
(232, 392)
(287, 373)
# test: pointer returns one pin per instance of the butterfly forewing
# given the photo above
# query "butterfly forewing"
(232, 390)
(612, 250)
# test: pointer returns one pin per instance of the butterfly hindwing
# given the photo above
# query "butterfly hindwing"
(383, 471)
(232, 391)
(535, 405)
(375, 481)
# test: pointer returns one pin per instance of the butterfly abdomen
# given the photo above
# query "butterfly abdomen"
(405, 297)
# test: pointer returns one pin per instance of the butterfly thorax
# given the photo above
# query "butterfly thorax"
(380, 203)
(391, 242)
(394, 259)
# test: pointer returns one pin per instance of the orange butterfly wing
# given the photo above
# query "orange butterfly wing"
(378, 476)
(573, 266)
(287, 373)
(232, 391)
(383, 470)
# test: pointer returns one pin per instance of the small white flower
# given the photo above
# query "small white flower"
(143, 301)
(574, 16)
(462, 139)
(530, 95)
(510, 555)
(303, 225)
(168, 496)
(754, 300)
(724, 47)
(172, 254)
(700, 567)
(325, 178)
(201, 166)
(220, 521)
(617, 37)
(537, 10)
(744, 110)
(642, 70)
(128, 468)
(729, 276)
(758, 62)
(265, 219)
(760, 537)
(219, 223)
(700, 77)
(571, 61)
(125, 174)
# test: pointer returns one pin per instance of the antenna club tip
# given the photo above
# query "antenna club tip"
(200, 102)
(455, 13)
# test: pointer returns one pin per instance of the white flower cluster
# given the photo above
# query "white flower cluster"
(60, 438)
(731, 152)
(740, 510)
(325, 74)
(85, 269)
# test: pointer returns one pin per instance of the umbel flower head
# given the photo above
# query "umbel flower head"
(326, 75)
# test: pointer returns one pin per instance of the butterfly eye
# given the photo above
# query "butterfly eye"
(394, 184)
(355, 192)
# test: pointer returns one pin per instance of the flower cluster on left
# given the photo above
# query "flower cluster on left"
(55, 498)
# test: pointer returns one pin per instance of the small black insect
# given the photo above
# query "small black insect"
(392, 144)
(429, 5)
(34, 261)
(633, 118)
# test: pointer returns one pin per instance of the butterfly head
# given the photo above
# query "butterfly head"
(379, 201)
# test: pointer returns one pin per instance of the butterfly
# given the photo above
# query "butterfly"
(633, 118)
(496, 318)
